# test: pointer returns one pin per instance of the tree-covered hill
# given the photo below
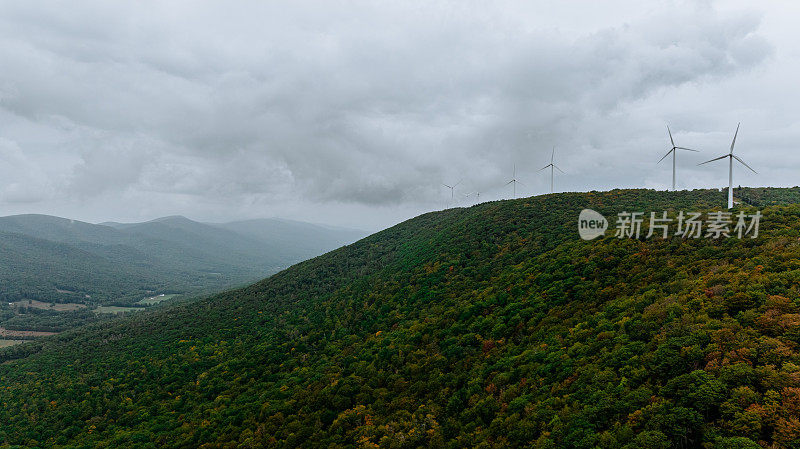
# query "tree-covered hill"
(491, 326)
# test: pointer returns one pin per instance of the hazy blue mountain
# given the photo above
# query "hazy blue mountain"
(289, 238)
(210, 247)
(59, 229)
(34, 268)
(122, 262)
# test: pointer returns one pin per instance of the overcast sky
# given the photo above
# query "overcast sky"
(355, 113)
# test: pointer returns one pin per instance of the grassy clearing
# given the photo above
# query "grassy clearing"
(66, 307)
(7, 343)
(116, 309)
(156, 299)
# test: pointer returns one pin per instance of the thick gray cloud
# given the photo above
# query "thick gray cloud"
(355, 112)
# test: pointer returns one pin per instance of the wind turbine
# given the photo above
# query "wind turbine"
(514, 181)
(673, 151)
(731, 157)
(452, 190)
(552, 166)
(477, 196)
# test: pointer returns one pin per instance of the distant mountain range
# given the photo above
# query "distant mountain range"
(60, 260)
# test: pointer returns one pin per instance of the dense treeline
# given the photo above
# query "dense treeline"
(43, 320)
(492, 326)
(766, 196)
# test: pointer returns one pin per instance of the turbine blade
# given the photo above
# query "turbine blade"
(519, 183)
(459, 182)
(715, 159)
(509, 182)
(670, 136)
(545, 167)
(556, 167)
(743, 163)
(734, 137)
(553, 155)
(665, 156)
(687, 149)
(449, 187)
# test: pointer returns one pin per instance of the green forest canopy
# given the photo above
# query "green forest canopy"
(490, 326)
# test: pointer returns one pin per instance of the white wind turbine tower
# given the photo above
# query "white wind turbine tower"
(674, 150)
(552, 166)
(514, 181)
(731, 157)
(452, 191)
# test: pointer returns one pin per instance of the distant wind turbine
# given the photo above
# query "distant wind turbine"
(514, 181)
(452, 190)
(552, 166)
(673, 151)
(731, 157)
(477, 196)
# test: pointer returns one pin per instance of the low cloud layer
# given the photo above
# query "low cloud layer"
(355, 112)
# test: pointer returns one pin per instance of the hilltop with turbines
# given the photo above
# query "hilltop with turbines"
(672, 151)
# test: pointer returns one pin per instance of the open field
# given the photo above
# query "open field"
(156, 299)
(7, 343)
(116, 309)
(5, 333)
(66, 307)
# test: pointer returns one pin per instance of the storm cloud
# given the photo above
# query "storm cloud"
(356, 112)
